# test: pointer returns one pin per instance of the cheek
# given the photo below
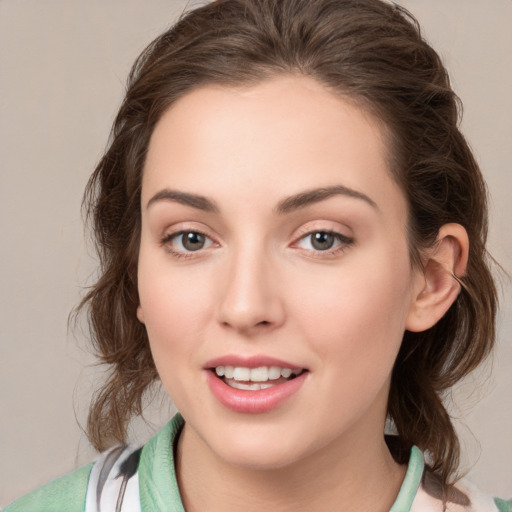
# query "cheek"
(355, 328)
(357, 312)
(174, 306)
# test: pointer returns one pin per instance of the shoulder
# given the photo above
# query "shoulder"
(503, 505)
(464, 496)
(87, 489)
(66, 494)
(112, 482)
(482, 502)
(422, 491)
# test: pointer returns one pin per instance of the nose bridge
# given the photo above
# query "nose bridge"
(250, 297)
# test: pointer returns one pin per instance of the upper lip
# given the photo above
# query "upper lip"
(250, 362)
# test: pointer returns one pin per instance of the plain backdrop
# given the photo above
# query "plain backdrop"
(63, 65)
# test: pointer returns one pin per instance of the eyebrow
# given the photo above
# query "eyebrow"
(292, 203)
(316, 195)
(193, 200)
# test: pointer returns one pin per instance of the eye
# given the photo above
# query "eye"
(187, 241)
(324, 241)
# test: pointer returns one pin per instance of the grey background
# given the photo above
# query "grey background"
(63, 65)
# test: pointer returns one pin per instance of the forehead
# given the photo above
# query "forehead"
(281, 135)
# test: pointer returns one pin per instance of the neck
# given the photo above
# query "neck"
(358, 473)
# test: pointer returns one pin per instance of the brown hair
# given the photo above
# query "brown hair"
(369, 51)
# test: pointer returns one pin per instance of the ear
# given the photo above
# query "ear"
(437, 287)
(140, 314)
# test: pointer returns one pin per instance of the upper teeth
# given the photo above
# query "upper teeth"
(260, 374)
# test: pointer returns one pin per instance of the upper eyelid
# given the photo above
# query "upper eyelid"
(186, 227)
(304, 230)
(179, 232)
(167, 243)
(323, 226)
(323, 230)
(331, 254)
(344, 239)
(344, 242)
(344, 235)
(167, 238)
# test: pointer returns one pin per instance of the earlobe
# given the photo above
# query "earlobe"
(439, 287)
(140, 314)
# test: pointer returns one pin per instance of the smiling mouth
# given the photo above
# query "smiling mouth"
(255, 379)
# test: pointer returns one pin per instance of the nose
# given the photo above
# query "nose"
(251, 301)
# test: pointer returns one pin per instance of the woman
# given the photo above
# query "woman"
(292, 236)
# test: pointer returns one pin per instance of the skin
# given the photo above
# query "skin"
(260, 287)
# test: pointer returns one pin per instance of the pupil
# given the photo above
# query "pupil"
(322, 241)
(193, 241)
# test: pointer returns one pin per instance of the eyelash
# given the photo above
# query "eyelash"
(343, 241)
(166, 242)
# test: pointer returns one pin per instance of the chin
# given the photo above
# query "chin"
(259, 448)
(258, 458)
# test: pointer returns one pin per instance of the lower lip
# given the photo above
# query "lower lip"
(254, 402)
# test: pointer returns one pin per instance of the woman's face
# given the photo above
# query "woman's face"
(273, 253)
